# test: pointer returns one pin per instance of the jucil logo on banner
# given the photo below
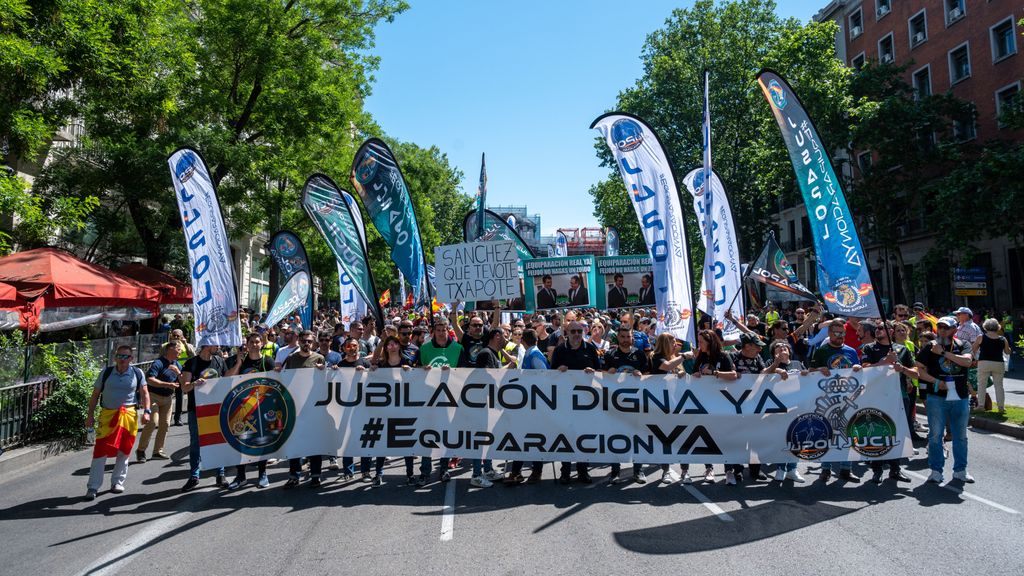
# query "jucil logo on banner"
(869, 431)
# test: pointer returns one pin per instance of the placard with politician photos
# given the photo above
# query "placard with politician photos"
(566, 282)
(625, 282)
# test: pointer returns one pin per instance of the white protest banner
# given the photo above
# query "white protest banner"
(552, 416)
(477, 271)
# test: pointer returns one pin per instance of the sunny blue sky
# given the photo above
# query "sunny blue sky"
(520, 81)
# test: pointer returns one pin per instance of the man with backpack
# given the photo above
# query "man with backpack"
(119, 390)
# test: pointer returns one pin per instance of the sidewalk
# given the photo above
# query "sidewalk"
(1013, 384)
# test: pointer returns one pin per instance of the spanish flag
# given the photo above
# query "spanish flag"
(208, 419)
(931, 319)
(385, 298)
(115, 432)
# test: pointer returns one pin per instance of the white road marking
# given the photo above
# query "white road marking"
(448, 512)
(965, 493)
(115, 560)
(714, 508)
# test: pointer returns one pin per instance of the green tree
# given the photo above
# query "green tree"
(905, 140)
(50, 52)
(733, 40)
(268, 91)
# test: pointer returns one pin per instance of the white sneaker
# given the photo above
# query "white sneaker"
(730, 478)
(935, 477)
(481, 482)
(709, 476)
(780, 475)
(493, 475)
(687, 479)
(90, 494)
(669, 477)
(794, 475)
(963, 476)
(119, 488)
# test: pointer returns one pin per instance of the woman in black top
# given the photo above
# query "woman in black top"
(710, 360)
(390, 357)
(989, 348)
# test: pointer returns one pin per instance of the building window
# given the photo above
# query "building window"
(856, 24)
(1003, 40)
(858, 61)
(864, 162)
(1005, 98)
(923, 82)
(882, 7)
(955, 10)
(959, 64)
(965, 129)
(886, 49)
(918, 28)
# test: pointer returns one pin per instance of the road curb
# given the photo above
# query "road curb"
(25, 456)
(1011, 430)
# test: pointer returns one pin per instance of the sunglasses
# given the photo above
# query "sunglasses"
(123, 356)
(325, 339)
(404, 332)
(309, 341)
(575, 331)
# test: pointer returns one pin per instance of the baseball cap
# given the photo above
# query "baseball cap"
(750, 339)
(964, 310)
(918, 306)
(947, 321)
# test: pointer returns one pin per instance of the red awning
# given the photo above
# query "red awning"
(70, 289)
(8, 294)
(172, 290)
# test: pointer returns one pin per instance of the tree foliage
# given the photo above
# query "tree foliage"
(733, 40)
(268, 91)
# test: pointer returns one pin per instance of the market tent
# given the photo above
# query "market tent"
(172, 290)
(56, 290)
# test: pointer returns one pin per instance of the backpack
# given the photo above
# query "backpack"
(140, 379)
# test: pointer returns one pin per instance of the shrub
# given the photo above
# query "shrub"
(62, 413)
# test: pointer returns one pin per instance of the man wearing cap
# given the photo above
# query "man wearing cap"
(748, 360)
(967, 330)
(943, 364)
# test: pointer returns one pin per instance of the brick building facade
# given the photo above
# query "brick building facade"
(969, 48)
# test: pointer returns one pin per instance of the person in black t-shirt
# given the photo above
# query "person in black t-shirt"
(350, 355)
(472, 341)
(945, 362)
(575, 354)
(883, 352)
(250, 359)
(711, 361)
(207, 364)
(626, 358)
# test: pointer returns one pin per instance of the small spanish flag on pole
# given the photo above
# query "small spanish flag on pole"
(385, 298)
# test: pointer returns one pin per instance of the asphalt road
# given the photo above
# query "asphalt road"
(46, 527)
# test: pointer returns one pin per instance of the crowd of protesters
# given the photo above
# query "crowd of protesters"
(949, 360)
